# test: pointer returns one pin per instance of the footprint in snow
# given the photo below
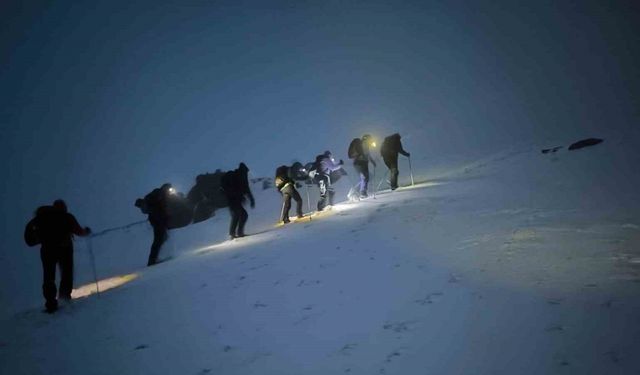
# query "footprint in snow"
(258, 267)
(227, 348)
(392, 355)
(429, 298)
(347, 349)
(555, 328)
(399, 327)
(140, 347)
(554, 301)
(309, 282)
(258, 305)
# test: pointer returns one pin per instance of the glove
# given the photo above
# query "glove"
(253, 203)
(374, 164)
(87, 230)
(341, 162)
(408, 154)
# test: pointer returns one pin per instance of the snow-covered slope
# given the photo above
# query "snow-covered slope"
(520, 263)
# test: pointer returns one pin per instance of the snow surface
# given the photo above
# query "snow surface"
(518, 263)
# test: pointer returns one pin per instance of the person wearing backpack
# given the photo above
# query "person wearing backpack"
(53, 227)
(287, 188)
(325, 165)
(389, 150)
(154, 205)
(359, 152)
(235, 185)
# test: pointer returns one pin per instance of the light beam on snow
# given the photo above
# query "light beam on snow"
(340, 207)
(237, 243)
(421, 185)
(106, 284)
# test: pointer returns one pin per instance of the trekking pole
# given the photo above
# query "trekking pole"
(93, 263)
(308, 198)
(374, 180)
(382, 180)
(411, 170)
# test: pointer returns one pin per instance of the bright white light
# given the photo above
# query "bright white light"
(106, 284)
(172, 190)
(421, 185)
(237, 243)
(340, 207)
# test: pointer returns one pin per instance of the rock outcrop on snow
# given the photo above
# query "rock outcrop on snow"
(585, 143)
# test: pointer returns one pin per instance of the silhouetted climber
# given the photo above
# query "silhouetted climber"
(53, 228)
(155, 205)
(325, 164)
(235, 185)
(286, 186)
(359, 152)
(389, 150)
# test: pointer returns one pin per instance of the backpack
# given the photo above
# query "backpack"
(282, 171)
(31, 234)
(227, 182)
(282, 175)
(355, 148)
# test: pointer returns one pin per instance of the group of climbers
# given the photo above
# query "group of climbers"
(54, 228)
(325, 166)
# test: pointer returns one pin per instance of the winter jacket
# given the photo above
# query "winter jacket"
(282, 177)
(391, 146)
(236, 184)
(326, 165)
(54, 228)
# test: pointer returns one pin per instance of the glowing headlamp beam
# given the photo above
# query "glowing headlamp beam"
(106, 284)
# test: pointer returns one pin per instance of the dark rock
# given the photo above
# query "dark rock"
(585, 143)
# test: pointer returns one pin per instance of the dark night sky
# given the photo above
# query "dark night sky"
(104, 100)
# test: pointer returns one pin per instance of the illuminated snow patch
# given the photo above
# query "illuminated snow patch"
(236, 243)
(421, 185)
(340, 207)
(106, 284)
